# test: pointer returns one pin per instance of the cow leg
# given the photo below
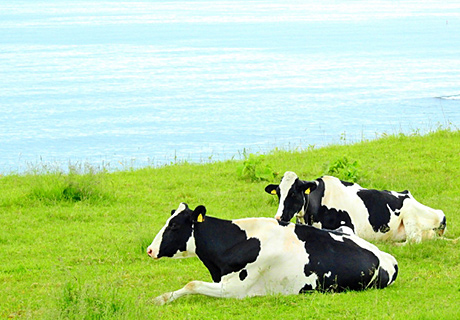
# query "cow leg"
(413, 232)
(194, 287)
(448, 239)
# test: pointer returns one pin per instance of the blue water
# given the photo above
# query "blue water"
(118, 83)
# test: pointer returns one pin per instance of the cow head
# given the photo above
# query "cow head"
(441, 228)
(175, 239)
(293, 196)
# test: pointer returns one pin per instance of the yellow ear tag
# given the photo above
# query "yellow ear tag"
(273, 192)
(200, 218)
(307, 191)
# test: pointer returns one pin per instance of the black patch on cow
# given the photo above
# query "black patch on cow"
(224, 247)
(306, 289)
(443, 224)
(243, 274)
(377, 203)
(333, 218)
(347, 184)
(383, 278)
(329, 218)
(283, 223)
(176, 235)
(395, 275)
(339, 265)
(314, 203)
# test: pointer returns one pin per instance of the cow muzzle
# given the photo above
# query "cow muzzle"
(152, 253)
(442, 227)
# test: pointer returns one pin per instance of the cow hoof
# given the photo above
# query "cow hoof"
(163, 299)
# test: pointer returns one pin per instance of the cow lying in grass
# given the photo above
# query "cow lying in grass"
(330, 203)
(260, 256)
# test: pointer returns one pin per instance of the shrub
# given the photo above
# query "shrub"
(254, 169)
(344, 170)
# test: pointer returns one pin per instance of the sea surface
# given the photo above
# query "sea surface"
(134, 83)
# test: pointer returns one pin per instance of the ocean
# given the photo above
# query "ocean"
(119, 84)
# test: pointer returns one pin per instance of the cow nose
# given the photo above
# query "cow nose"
(443, 223)
(278, 218)
(152, 252)
(149, 251)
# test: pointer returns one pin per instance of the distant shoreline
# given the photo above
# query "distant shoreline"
(85, 167)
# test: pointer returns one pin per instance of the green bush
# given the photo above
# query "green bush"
(254, 169)
(344, 170)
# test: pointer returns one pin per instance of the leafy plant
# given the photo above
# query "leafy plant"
(344, 170)
(254, 169)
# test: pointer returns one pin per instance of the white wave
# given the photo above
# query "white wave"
(453, 97)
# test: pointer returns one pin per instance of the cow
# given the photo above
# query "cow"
(260, 256)
(329, 203)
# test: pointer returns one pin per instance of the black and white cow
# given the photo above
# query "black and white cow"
(330, 203)
(260, 256)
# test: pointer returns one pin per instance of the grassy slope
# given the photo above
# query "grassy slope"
(87, 258)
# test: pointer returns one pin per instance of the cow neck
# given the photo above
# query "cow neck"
(313, 202)
(218, 245)
(214, 235)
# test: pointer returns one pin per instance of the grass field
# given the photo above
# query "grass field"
(73, 245)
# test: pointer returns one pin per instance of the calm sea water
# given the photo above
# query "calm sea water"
(144, 83)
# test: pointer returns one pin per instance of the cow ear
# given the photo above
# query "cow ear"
(271, 188)
(308, 186)
(198, 214)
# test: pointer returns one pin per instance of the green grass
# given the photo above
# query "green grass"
(72, 246)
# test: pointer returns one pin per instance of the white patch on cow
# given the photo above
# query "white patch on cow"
(397, 194)
(276, 241)
(312, 280)
(190, 249)
(395, 212)
(346, 230)
(181, 208)
(336, 237)
(285, 185)
(318, 225)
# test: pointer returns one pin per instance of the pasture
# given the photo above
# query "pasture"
(73, 245)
